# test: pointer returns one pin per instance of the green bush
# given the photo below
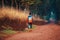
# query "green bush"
(9, 31)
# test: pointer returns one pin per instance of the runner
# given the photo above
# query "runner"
(29, 21)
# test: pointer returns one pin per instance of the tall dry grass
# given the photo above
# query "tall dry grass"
(13, 13)
(13, 17)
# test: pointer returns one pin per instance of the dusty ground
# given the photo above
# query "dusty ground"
(43, 32)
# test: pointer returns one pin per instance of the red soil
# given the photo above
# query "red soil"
(43, 32)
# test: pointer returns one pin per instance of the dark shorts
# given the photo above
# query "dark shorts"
(29, 25)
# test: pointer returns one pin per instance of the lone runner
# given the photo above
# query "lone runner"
(29, 21)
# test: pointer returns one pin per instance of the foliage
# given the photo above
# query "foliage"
(30, 2)
(8, 32)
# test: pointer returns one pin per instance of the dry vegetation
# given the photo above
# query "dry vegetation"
(13, 18)
(12, 13)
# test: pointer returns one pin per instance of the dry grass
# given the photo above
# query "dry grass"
(13, 17)
(13, 13)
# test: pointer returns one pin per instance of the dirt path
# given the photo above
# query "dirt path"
(45, 32)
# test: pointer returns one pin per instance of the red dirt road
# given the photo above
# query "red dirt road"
(43, 32)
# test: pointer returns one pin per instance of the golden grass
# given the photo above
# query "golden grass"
(13, 13)
(13, 17)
